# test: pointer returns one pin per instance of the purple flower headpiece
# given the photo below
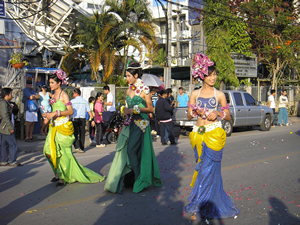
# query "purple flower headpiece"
(62, 76)
(200, 65)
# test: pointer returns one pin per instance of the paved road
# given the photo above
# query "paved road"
(260, 172)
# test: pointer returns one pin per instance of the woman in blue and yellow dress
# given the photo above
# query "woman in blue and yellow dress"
(208, 199)
(58, 145)
(134, 163)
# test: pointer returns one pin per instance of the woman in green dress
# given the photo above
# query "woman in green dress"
(58, 145)
(134, 163)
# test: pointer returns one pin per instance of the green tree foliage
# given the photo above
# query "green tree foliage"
(97, 35)
(137, 27)
(224, 35)
(275, 34)
(159, 58)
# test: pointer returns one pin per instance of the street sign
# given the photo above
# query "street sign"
(244, 66)
(2, 8)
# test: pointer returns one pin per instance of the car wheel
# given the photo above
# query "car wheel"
(227, 126)
(112, 137)
(266, 123)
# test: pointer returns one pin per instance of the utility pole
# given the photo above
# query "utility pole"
(167, 69)
(177, 37)
(178, 82)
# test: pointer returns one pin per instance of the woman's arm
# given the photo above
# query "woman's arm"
(192, 101)
(149, 105)
(51, 95)
(98, 109)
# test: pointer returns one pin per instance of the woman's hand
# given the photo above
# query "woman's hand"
(128, 111)
(212, 116)
(100, 113)
(200, 112)
(51, 115)
(44, 115)
(93, 123)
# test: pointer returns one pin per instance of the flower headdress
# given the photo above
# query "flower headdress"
(200, 65)
(62, 76)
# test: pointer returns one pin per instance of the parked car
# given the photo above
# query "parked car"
(244, 111)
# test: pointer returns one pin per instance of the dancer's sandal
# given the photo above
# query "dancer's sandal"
(59, 184)
(194, 217)
(54, 179)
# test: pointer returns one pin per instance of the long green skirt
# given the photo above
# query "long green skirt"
(122, 164)
(68, 168)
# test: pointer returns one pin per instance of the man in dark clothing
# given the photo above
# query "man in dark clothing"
(164, 111)
(8, 141)
(170, 97)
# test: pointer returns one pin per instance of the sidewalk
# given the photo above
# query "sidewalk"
(37, 146)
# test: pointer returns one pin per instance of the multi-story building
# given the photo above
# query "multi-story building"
(50, 30)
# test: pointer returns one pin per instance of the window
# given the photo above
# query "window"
(163, 28)
(238, 99)
(184, 50)
(227, 98)
(249, 99)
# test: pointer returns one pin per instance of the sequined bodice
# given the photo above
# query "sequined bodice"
(210, 103)
(135, 100)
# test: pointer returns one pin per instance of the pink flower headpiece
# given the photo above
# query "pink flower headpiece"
(200, 65)
(62, 76)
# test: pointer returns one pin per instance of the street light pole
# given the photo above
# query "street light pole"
(167, 68)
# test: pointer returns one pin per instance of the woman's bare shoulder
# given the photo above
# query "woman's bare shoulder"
(220, 94)
(64, 97)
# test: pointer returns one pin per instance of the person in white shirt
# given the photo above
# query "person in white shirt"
(283, 101)
(271, 102)
(110, 107)
(110, 100)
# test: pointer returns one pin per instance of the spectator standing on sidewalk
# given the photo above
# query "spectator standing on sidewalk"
(98, 119)
(271, 102)
(8, 143)
(30, 98)
(164, 112)
(80, 107)
(44, 106)
(91, 120)
(170, 97)
(161, 87)
(110, 100)
(110, 107)
(182, 98)
(283, 101)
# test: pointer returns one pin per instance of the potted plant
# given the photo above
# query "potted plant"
(17, 60)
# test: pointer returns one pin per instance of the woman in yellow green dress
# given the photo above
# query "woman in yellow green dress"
(134, 163)
(58, 145)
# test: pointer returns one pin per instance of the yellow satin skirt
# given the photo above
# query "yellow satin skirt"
(214, 139)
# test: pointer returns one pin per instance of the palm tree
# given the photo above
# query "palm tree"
(105, 34)
(96, 35)
(137, 27)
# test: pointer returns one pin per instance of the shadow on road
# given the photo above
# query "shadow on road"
(154, 205)
(280, 214)
(13, 177)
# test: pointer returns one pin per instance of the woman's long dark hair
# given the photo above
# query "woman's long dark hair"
(55, 78)
(99, 94)
(137, 71)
